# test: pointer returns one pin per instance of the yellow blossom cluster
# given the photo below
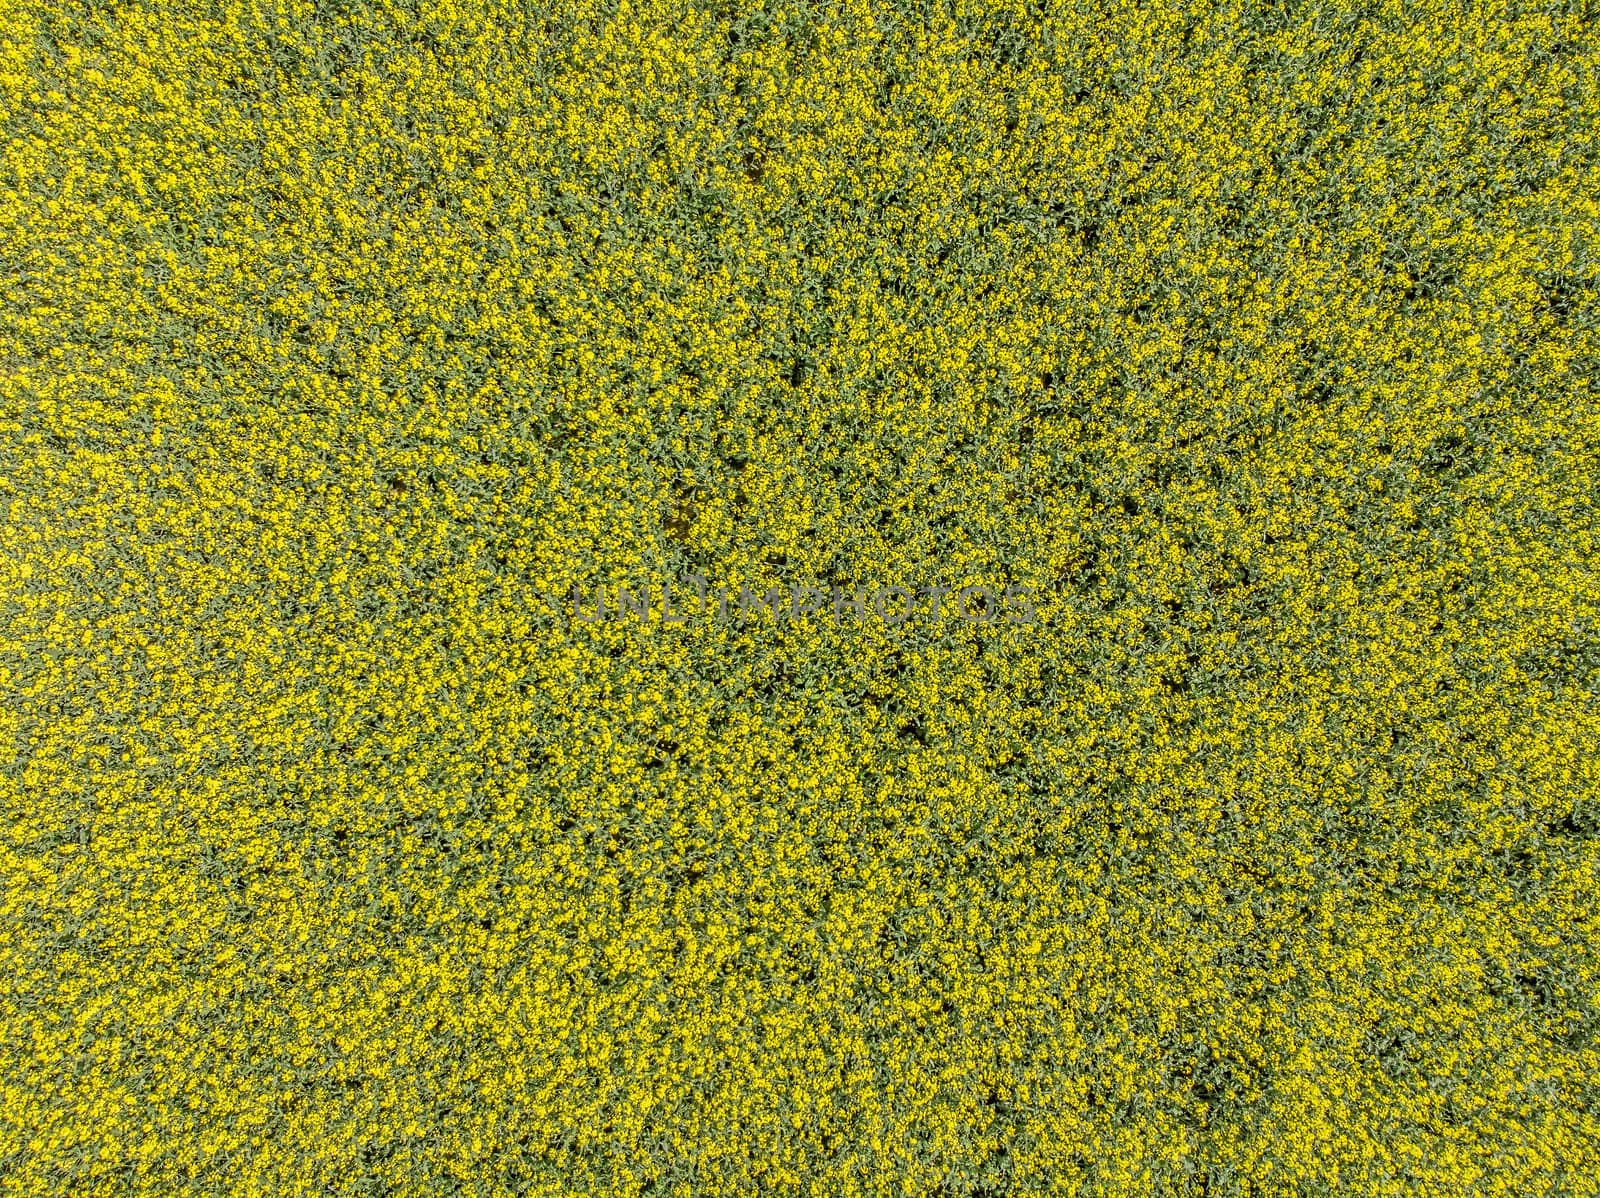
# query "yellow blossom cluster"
(1256, 341)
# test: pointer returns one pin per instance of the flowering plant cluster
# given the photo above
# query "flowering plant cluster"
(1248, 847)
(694, 597)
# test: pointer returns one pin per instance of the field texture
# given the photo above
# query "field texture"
(339, 342)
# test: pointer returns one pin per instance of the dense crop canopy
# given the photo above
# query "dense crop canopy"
(344, 344)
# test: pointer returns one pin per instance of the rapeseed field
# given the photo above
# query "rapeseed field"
(1126, 476)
